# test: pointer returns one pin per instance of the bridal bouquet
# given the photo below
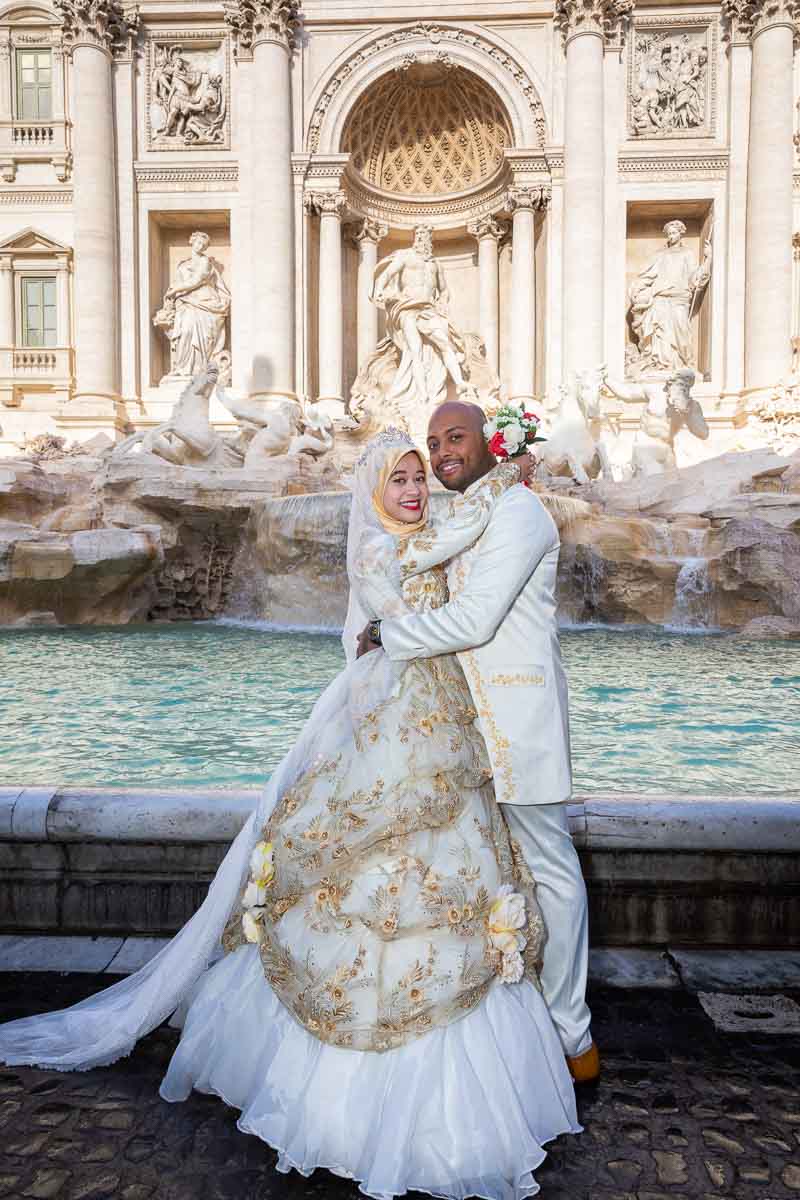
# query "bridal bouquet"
(510, 431)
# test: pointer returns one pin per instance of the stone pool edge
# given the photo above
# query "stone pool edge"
(663, 872)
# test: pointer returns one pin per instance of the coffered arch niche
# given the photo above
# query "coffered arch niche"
(488, 57)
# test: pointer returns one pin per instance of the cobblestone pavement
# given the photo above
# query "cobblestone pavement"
(682, 1111)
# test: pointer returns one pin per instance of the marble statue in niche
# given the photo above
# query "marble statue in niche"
(194, 312)
(662, 300)
(668, 408)
(410, 287)
(423, 358)
(669, 91)
(188, 102)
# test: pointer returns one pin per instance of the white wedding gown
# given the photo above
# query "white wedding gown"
(462, 1109)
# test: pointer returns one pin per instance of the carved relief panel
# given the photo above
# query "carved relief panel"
(672, 78)
(188, 91)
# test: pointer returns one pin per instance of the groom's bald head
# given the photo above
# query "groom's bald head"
(457, 446)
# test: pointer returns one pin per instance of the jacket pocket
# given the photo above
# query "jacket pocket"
(524, 675)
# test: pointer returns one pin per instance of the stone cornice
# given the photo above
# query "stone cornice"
(104, 24)
(255, 22)
(749, 18)
(602, 18)
(195, 176)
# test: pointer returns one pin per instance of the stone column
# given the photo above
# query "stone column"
(584, 24)
(489, 233)
(366, 236)
(330, 207)
(523, 203)
(92, 31)
(266, 28)
(770, 163)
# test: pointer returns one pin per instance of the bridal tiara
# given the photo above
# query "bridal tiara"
(391, 436)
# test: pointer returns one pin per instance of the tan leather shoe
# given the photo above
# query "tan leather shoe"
(585, 1068)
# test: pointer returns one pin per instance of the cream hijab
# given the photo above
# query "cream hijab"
(397, 528)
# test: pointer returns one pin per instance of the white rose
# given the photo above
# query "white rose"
(251, 928)
(513, 968)
(506, 943)
(513, 436)
(254, 895)
(262, 866)
(489, 430)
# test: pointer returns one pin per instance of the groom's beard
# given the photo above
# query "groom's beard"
(463, 474)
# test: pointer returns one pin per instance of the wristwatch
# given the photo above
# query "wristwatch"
(374, 631)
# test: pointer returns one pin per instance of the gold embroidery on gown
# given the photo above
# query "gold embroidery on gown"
(388, 857)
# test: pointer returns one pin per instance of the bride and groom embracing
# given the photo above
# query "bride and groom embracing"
(388, 974)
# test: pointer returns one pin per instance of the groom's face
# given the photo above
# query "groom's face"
(457, 447)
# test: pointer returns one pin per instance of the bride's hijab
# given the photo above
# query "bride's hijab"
(392, 525)
(368, 515)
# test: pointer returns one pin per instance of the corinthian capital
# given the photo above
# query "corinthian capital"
(533, 198)
(257, 21)
(600, 17)
(487, 227)
(368, 230)
(107, 24)
(326, 203)
(751, 17)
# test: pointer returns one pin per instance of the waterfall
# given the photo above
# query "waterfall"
(691, 611)
(290, 571)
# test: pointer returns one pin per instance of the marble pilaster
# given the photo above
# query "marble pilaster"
(7, 319)
(265, 28)
(584, 25)
(523, 203)
(772, 26)
(330, 206)
(366, 235)
(488, 233)
(93, 30)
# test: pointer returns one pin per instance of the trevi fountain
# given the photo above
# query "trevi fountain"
(238, 239)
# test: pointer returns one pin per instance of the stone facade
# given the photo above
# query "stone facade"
(547, 146)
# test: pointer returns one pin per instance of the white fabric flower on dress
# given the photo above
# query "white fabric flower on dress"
(251, 928)
(512, 968)
(505, 922)
(255, 895)
(262, 863)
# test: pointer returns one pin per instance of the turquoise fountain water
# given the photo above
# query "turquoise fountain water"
(188, 705)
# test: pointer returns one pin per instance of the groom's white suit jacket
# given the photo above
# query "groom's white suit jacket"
(501, 621)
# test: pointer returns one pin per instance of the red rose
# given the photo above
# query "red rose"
(497, 446)
(531, 417)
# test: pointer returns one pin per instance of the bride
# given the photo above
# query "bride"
(361, 980)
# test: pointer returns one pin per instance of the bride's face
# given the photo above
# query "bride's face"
(406, 492)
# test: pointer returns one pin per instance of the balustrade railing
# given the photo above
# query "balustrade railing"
(37, 136)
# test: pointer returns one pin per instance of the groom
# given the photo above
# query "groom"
(501, 621)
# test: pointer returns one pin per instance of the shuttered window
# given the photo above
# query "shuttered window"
(34, 85)
(39, 316)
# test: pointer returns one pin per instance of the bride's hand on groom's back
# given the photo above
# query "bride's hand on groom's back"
(527, 465)
(363, 643)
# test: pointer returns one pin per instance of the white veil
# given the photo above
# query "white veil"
(107, 1026)
(364, 528)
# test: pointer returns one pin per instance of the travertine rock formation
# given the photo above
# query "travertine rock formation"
(717, 545)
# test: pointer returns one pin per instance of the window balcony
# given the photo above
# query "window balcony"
(33, 141)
